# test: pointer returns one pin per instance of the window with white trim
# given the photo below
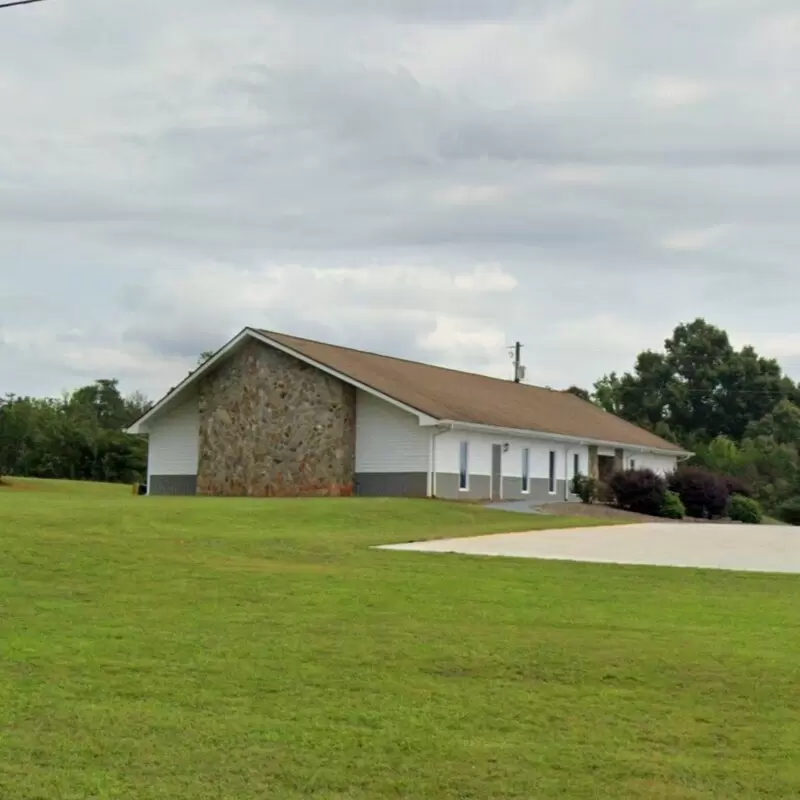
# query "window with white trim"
(526, 470)
(633, 463)
(552, 474)
(463, 467)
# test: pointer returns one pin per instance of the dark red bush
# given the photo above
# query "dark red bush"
(705, 494)
(639, 490)
(737, 486)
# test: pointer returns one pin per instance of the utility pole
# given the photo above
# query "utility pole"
(519, 370)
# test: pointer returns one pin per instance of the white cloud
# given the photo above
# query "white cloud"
(577, 174)
(486, 279)
(606, 330)
(391, 174)
(82, 358)
(671, 91)
(181, 313)
(538, 59)
(696, 238)
(471, 195)
(462, 343)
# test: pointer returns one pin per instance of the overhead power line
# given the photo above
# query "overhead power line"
(19, 3)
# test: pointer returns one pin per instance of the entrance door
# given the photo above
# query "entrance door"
(497, 472)
(606, 466)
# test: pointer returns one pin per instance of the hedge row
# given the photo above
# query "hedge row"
(689, 491)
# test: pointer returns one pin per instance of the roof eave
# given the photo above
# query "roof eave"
(560, 437)
(142, 424)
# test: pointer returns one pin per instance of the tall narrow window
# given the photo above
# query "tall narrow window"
(463, 467)
(576, 464)
(633, 463)
(552, 476)
(526, 470)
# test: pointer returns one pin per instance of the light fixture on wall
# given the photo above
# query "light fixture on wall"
(506, 446)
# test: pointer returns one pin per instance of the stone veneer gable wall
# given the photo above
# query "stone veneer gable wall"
(273, 426)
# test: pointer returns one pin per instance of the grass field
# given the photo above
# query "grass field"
(192, 649)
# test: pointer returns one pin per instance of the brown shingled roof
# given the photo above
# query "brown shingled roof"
(447, 394)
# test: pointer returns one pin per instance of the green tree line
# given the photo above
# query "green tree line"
(79, 436)
(737, 411)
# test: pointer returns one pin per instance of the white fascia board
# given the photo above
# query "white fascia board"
(558, 437)
(141, 425)
(423, 418)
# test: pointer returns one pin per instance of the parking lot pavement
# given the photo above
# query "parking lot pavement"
(753, 548)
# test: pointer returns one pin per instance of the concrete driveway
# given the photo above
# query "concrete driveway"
(753, 548)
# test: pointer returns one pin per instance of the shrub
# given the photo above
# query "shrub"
(789, 512)
(639, 490)
(737, 486)
(704, 494)
(605, 493)
(744, 509)
(585, 487)
(672, 507)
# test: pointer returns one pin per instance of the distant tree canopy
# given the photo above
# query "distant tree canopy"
(79, 436)
(734, 408)
(699, 387)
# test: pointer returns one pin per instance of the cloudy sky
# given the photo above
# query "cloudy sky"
(429, 178)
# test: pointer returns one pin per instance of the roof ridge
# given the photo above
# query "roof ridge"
(504, 381)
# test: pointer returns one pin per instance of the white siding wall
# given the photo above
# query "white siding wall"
(658, 463)
(388, 439)
(174, 441)
(480, 455)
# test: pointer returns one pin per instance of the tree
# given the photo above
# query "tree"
(735, 409)
(782, 424)
(136, 406)
(206, 355)
(79, 436)
(607, 392)
(700, 386)
(100, 403)
(578, 392)
(721, 455)
(772, 469)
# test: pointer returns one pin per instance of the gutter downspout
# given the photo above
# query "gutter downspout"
(437, 432)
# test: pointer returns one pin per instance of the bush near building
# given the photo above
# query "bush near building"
(744, 509)
(639, 490)
(673, 507)
(704, 493)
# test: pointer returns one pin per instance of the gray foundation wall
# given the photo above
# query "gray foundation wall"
(400, 484)
(480, 489)
(447, 487)
(392, 484)
(178, 485)
(512, 490)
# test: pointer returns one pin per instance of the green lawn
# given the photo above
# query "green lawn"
(226, 649)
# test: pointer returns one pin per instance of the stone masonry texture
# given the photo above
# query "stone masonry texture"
(273, 426)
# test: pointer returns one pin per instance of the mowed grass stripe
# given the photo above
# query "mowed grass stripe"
(196, 648)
